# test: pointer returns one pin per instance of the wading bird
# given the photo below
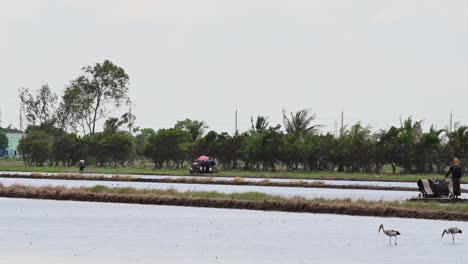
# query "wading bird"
(390, 233)
(452, 231)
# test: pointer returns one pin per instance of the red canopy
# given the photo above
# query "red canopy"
(202, 158)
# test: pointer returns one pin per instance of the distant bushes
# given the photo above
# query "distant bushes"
(39, 148)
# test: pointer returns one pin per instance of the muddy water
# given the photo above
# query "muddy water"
(370, 195)
(53, 232)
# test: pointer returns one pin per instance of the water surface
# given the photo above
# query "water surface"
(354, 194)
(57, 232)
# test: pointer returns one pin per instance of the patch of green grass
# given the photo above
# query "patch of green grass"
(321, 175)
(248, 196)
(258, 196)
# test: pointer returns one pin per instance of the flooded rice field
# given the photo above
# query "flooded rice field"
(54, 232)
(355, 194)
(329, 182)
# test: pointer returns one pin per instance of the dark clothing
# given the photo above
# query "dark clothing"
(82, 166)
(456, 172)
(456, 187)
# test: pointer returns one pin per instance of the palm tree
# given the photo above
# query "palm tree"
(260, 125)
(410, 134)
(411, 130)
(429, 149)
(299, 124)
(458, 140)
(358, 130)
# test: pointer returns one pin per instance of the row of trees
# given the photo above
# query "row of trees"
(299, 146)
(62, 130)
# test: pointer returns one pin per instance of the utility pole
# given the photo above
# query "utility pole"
(130, 119)
(342, 123)
(451, 122)
(235, 120)
(0, 117)
(21, 117)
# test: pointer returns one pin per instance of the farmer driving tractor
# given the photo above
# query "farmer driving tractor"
(456, 172)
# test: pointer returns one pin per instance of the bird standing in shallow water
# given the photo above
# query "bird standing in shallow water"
(390, 233)
(452, 231)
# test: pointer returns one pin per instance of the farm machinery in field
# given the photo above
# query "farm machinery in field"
(435, 188)
(203, 164)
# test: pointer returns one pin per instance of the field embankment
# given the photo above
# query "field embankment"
(315, 175)
(250, 201)
(211, 181)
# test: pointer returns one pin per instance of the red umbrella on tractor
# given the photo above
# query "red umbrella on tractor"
(203, 158)
(203, 164)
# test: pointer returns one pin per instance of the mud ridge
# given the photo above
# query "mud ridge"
(236, 181)
(290, 205)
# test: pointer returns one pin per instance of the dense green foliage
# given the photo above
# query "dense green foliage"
(3, 142)
(36, 148)
(54, 127)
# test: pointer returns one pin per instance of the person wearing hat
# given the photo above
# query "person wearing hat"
(82, 166)
(456, 172)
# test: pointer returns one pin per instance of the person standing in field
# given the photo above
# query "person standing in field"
(82, 166)
(456, 172)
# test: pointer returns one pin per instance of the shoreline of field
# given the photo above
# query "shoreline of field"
(236, 181)
(248, 201)
(297, 175)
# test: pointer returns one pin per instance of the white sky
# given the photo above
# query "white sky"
(378, 60)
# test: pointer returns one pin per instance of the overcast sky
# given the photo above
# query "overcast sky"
(377, 60)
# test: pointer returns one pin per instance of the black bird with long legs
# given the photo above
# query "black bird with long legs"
(390, 233)
(452, 231)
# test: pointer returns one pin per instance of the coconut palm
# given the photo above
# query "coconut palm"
(410, 133)
(260, 125)
(458, 140)
(300, 123)
(428, 150)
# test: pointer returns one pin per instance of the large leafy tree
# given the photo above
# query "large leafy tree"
(39, 106)
(36, 148)
(93, 94)
(68, 149)
(195, 128)
(141, 139)
(168, 146)
(119, 148)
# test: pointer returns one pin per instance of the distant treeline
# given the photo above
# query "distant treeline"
(356, 149)
(65, 132)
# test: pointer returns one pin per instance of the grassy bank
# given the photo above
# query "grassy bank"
(250, 201)
(325, 175)
(222, 181)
